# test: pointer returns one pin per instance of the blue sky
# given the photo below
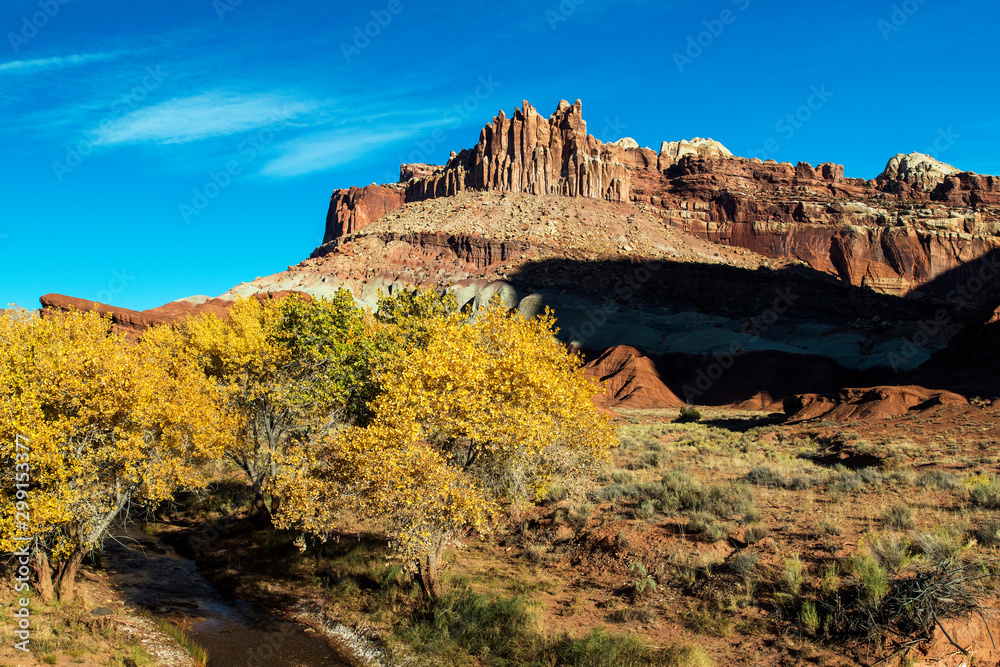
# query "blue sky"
(166, 148)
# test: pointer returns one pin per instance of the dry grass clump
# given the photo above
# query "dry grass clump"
(899, 517)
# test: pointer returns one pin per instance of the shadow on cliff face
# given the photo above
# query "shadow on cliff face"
(972, 289)
(970, 364)
(723, 335)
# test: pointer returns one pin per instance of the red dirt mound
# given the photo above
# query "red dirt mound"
(868, 404)
(630, 380)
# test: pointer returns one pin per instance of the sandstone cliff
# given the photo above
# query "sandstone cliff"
(916, 221)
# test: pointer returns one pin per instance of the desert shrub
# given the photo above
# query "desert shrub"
(505, 630)
(557, 493)
(830, 581)
(938, 479)
(627, 442)
(751, 514)
(710, 621)
(756, 532)
(643, 584)
(623, 477)
(871, 477)
(793, 575)
(827, 527)
(765, 476)
(984, 491)
(988, 533)
(716, 532)
(622, 541)
(610, 493)
(686, 655)
(744, 563)
(644, 511)
(581, 513)
(649, 460)
(768, 476)
(536, 553)
(845, 481)
(679, 492)
(899, 517)
(598, 649)
(890, 551)
(688, 414)
(699, 522)
(943, 543)
(873, 580)
(809, 617)
(722, 500)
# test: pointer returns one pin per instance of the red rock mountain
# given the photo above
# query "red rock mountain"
(685, 274)
(916, 221)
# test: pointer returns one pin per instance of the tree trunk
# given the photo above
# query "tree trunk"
(275, 505)
(43, 573)
(67, 576)
(263, 518)
(428, 566)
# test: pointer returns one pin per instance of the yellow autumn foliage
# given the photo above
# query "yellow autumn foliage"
(107, 422)
(482, 415)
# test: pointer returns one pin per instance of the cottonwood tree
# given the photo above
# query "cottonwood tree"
(479, 417)
(107, 422)
(288, 369)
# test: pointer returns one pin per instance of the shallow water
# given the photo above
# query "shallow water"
(150, 574)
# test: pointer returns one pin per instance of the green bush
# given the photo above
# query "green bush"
(688, 415)
(809, 617)
(793, 576)
(872, 578)
(504, 632)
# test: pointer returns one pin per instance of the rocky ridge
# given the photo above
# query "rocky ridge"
(916, 221)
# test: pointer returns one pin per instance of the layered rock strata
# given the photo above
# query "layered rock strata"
(916, 221)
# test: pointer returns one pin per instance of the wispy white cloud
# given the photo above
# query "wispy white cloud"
(321, 151)
(203, 116)
(56, 62)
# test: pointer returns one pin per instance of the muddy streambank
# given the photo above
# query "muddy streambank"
(150, 574)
